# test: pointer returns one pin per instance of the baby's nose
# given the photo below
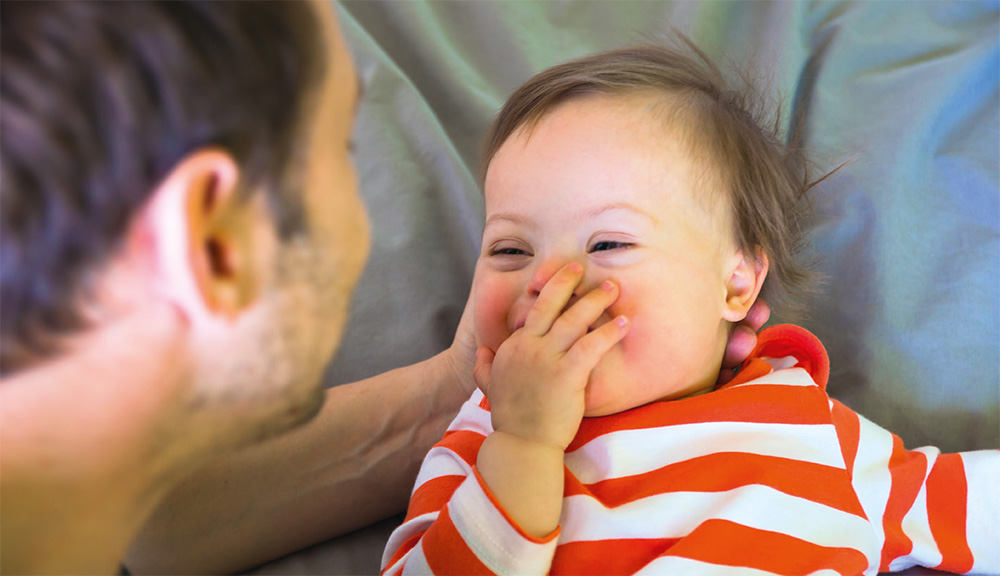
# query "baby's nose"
(545, 273)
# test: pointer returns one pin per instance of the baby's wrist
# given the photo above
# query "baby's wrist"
(532, 440)
(521, 442)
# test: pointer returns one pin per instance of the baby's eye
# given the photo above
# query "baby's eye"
(608, 245)
(507, 251)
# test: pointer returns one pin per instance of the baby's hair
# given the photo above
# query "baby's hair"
(766, 177)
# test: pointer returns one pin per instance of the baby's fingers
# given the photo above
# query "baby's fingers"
(553, 298)
(574, 323)
(589, 350)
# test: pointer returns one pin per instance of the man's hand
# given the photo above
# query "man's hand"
(536, 380)
(743, 340)
(461, 355)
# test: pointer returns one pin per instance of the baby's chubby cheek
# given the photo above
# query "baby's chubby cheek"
(492, 308)
(628, 304)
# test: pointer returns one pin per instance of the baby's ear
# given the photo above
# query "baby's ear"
(746, 277)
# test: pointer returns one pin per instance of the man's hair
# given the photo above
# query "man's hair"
(765, 177)
(100, 100)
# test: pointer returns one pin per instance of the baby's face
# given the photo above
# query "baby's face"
(602, 182)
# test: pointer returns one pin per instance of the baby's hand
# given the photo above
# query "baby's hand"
(536, 381)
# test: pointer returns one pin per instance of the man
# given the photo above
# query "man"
(181, 233)
(175, 276)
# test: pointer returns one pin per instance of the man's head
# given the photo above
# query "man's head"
(643, 166)
(191, 152)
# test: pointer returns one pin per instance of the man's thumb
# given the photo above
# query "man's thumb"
(483, 368)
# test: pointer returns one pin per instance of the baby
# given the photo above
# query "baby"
(635, 211)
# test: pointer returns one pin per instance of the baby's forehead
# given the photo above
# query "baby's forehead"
(634, 127)
(663, 119)
(627, 147)
(638, 108)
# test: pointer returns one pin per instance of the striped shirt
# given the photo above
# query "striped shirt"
(765, 475)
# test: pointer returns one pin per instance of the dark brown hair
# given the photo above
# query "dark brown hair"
(764, 175)
(100, 101)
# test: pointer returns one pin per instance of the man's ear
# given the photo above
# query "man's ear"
(743, 286)
(201, 237)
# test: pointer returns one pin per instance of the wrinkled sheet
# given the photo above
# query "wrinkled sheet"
(907, 234)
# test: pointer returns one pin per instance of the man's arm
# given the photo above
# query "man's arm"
(353, 465)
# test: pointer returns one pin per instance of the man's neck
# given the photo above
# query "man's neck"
(86, 448)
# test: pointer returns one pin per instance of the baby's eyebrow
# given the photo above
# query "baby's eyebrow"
(595, 212)
(505, 217)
